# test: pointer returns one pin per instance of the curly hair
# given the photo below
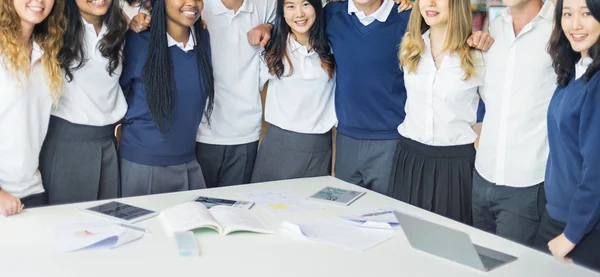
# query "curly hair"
(459, 30)
(73, 54)
(48, 34)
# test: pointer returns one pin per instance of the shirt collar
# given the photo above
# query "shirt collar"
(380, 14)
(295, 46)
(219, 7)
(582, 66)
(90, 29)
(36, 53)
(547, 12)
(189, 46)
(450, 59)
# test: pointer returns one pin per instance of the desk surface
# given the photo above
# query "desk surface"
(27, 247)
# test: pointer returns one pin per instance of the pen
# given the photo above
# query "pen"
(135, 228)
(376, 213)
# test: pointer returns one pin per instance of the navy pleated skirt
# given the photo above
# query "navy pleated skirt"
(434, 178)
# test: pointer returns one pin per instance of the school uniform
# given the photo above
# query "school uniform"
(79, 159)
(24, 115)
(508, 195)
(300, 110)
(572, 176)
(369, 93)
(150, 161)
(435, 157)
(227, 147)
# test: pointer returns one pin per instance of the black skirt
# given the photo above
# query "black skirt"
(434, 178)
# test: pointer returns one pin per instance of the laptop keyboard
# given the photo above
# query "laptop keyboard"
(489, 262)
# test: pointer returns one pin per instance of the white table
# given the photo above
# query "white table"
(27, 248)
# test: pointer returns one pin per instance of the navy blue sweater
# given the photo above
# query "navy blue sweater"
(141, 141)
(573, 172)
(370, 93)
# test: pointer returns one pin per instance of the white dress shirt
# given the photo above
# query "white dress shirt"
(237, 114)
(301, 102)
(25, 107)
(93, 97)
(582, 66)
(519, 83)
(380, 14)
(441, 107)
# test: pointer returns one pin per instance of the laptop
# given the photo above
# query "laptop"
(450, 244)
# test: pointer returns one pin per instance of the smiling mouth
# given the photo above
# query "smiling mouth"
(579, 37)
(189, 13)
(35, 9)
(431, 13)
(98, 3)
(301, 22)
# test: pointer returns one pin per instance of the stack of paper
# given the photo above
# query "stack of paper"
(281, 201)
(339, 233)
(92, 235)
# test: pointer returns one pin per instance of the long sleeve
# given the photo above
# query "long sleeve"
(129, 62)
(584, 209)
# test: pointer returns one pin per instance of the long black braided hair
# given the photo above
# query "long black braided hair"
(157, 74)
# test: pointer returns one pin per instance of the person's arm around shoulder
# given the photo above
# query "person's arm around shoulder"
(261, 34)
(584, 209)
(131, 52)
(481, 41)
(140, 22)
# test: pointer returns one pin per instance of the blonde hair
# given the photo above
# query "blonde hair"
(48, 34)
(459, 29)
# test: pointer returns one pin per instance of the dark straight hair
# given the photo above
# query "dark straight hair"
(73, 56)
(563, 56)
(157, 74)
(276, 49)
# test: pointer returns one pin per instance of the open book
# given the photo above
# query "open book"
(224, 219)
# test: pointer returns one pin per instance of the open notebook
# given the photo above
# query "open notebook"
(224, 219)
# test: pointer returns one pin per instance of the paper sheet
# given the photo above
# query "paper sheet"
(382, 218)
(338, 233)
(281, 201)
(92, 235)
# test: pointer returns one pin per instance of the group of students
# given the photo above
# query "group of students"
(403, 90)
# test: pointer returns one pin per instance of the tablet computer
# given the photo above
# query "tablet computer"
(121, 212)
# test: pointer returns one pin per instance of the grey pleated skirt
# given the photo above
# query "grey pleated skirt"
(138, 179)
(79, 162)
(434, 178)
(287, 155)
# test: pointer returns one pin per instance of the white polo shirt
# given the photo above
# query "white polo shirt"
(93, 97)
(301, 102)
(441, 107)
(237, 114)
(24, 115)
(519, 83)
